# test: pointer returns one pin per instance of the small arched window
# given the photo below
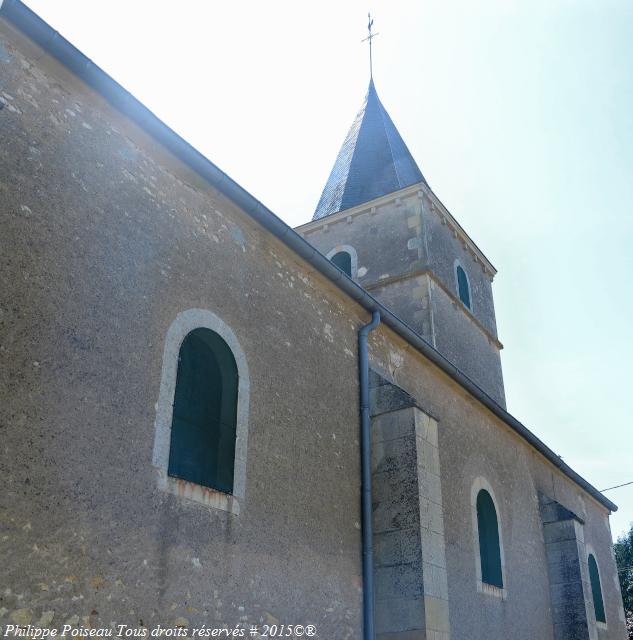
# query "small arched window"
(463, 286)
(489, 550)
(343, 260)
(596, 590)
(202, 448)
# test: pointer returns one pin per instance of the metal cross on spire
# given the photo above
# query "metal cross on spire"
(369, 38)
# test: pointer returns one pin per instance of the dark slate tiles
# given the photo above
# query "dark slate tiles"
(373, 161)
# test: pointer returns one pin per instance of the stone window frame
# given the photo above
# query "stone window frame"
(183, 324)
(353, 257)
(478, 484)
(456, 264)
(590, 551)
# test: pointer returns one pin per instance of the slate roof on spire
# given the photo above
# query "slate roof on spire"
(373, 161)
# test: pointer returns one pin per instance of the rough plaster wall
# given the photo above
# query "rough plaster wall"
(474, 443)
(104, 241)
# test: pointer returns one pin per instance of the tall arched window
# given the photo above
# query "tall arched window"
(463, 286)
(202, 447)
(343, 260)
(489, 550)
(596, 589)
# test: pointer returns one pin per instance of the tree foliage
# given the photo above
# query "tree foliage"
(624, 558)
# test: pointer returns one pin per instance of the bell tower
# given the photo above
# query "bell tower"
(379, 221)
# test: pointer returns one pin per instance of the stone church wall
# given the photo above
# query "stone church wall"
(370, 233)
(460, 340)
(105, 240)
(444, 248)
(478, 450)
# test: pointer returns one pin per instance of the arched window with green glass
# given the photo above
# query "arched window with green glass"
(463, 285)
(343, 260)
(596, 589)
(202, 447)
(489, 548)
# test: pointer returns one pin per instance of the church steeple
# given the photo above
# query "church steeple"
(398, 241)
(373, 161)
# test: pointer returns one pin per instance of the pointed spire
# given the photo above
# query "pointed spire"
(373, 161)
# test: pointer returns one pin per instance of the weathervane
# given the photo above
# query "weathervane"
(369, 39)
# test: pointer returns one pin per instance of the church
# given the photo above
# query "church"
(210, 420)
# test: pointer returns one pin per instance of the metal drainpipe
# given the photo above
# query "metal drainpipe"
(365, 448)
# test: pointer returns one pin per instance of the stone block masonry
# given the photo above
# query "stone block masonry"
(410, 560)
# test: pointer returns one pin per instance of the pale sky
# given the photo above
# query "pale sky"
(518, 113)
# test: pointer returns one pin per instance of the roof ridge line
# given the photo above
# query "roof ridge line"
(355, 151)
(383, 112)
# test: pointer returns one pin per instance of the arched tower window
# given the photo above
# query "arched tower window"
(463, 286)
(489, 550)
(343, 260)
(202, 447)
(596, 589)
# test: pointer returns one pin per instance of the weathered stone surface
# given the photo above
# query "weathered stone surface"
(565, 549)
(409, 562)
(406, 258)
(105, 238)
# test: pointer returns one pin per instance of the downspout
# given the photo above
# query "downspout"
(366, 508)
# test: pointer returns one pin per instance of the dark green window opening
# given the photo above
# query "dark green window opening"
(202, 448)
(343, 261)
(462, 286)
(489, 550)
(596, 590)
